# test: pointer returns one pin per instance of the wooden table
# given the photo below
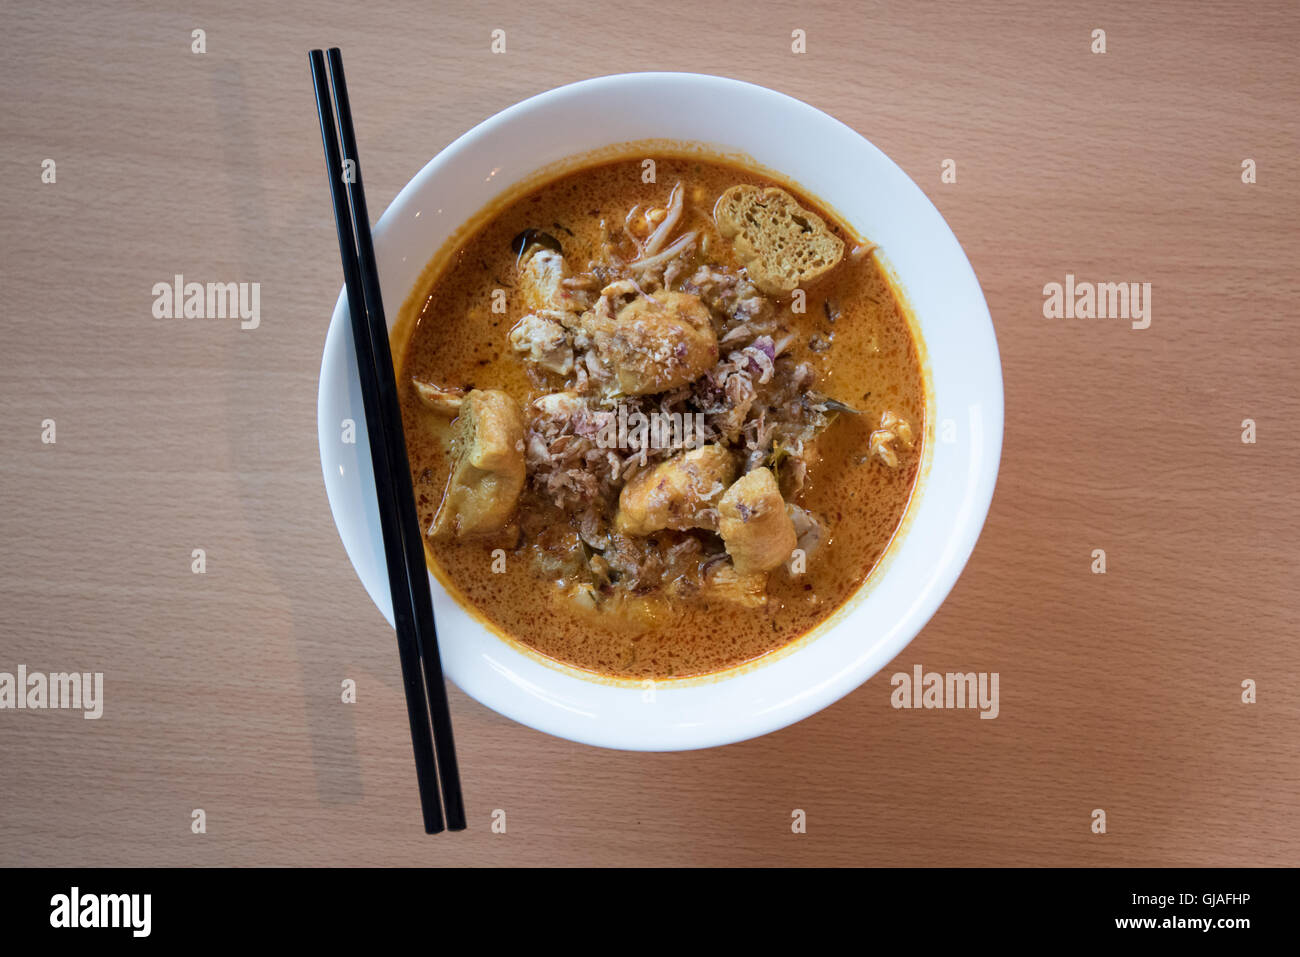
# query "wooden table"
(1120, 691)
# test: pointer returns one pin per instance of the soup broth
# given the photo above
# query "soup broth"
(561, 573)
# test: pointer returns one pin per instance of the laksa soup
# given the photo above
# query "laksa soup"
(659, 429)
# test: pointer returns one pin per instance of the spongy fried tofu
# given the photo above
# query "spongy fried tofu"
(488, 471)
(658, 344)
(754, 524)
(678, 494)
(781, 245)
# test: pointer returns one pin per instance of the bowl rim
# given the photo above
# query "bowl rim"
(799, 706)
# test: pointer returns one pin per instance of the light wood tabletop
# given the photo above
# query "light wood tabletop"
(1125, 692)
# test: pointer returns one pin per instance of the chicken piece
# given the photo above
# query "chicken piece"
(754, 524)
(808, 529)
(488, 470)
(880, 444)
(654, 345)
(541, 278)
(560, 405)
(724, 582)
(893, 422)
(680, 493)
(543, 340)
(437, 399)
(893, 428)
(584, 595)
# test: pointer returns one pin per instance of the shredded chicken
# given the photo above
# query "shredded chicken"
(893, 428)
(541, 336)
(541, 279)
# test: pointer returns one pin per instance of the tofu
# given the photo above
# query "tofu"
(754, 523)
(488, 472)
(654, 345)
(680, 493)
(782, 246)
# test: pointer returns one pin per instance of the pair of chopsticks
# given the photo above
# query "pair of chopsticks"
(408, 576)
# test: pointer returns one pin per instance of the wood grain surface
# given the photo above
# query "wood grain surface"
(1120, 692)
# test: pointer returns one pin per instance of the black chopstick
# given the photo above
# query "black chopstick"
(413, 540)
(435, 754)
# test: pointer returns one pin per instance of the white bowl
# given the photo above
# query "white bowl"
(963, 443)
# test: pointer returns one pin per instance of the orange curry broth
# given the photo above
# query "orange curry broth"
(872, 365)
